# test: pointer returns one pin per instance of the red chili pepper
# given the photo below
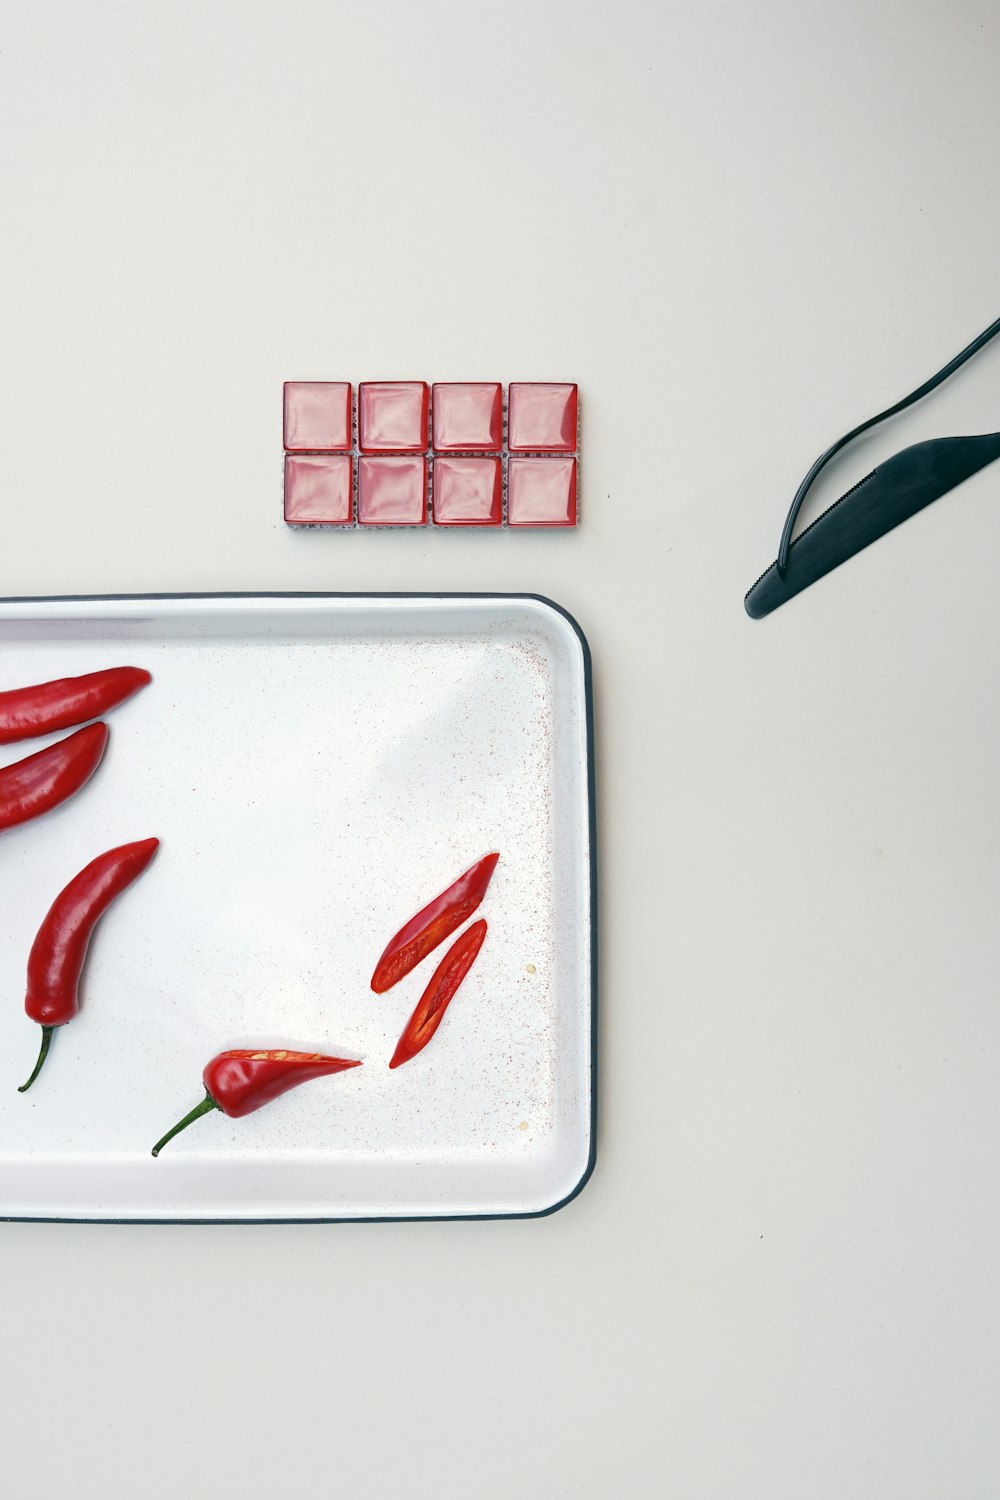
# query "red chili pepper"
(41, 781)
(58, 952)
(431, 926)
(239, 1082)
(436, 997)
(30, 711)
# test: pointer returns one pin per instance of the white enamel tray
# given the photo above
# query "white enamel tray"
(317, 767)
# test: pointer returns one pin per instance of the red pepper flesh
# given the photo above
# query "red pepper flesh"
(60, 948)
(30, 711)
(436, 997)
(240, 1081)
(429, 927)
(41, 781)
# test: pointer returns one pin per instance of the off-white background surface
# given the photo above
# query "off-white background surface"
(742, 228)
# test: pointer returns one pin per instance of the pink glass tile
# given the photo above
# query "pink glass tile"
(392, 492)
(541, 492)
(541, 418)
(392, 416)
(471, 455)
(318, 489)
(467, 415)
(467, 492)
(317, 416)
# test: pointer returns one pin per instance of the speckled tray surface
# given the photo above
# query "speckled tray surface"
(317, 768)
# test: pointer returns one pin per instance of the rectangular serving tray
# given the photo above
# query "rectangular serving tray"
(317, 767)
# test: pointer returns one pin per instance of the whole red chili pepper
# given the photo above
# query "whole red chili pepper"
(432, 925)
(30, 711)
(434, 1001)
(239, 1082)
(41, 781)
(58, 952)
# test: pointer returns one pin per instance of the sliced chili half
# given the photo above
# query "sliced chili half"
(439, 993)
(433, 924)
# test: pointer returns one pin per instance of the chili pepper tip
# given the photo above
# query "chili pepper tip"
(46, 1041)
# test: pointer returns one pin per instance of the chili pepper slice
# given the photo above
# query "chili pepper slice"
(41, 781)
(60, 948)
(240, 1081)
(30, 711)
(436, 997)
(429, 927)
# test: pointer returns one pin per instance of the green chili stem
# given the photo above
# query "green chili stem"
(200, 1109)
(43, 1054)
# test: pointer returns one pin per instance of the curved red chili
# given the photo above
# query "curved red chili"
(431, 926)
(41, 781)
(30, 711)
(436, 997)
(58, 952)
(241, 1081)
